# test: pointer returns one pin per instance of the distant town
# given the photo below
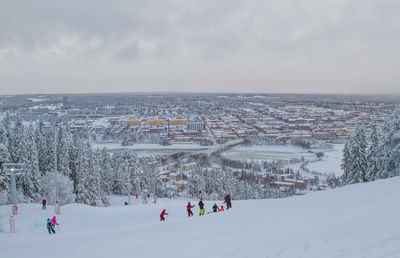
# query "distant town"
(197, 132)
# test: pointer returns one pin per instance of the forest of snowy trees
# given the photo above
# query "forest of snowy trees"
(84, 175)
(367, 160)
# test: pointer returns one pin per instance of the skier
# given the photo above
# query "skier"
(189, 207)
(54, 221)
(228, 201)
(44, 203)
(50, 227)
(163, 214)
(215, 208)
(201, 206)
(222, 208)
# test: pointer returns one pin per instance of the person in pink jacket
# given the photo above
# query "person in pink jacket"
(54, 221)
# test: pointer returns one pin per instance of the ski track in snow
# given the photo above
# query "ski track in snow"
(354, 221)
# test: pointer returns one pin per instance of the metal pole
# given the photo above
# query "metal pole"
(55, 172)
(13, 186)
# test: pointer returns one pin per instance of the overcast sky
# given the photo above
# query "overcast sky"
(307, 46)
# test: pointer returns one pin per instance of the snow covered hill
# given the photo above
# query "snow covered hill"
(355, 221)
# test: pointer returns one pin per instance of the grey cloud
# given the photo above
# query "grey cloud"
(222, 45)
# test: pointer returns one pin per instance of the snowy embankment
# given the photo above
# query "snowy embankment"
(354, 221)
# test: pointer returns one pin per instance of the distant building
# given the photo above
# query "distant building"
(196, 126)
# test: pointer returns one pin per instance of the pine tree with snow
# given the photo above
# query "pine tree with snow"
(18, 143)
(63, 146)
(87, 176)
(347, 162)
(357, 165)
(389, 162)
(41, 145)
(82, 172)
(73, 156)
(373, 156)
(107, 172)
(30, 179)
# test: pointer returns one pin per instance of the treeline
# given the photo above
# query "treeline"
(215, 183)
(367, 160)
(83, 175)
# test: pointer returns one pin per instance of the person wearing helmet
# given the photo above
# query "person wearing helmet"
(189, 207)
(50, 227)
(222, 208)
(163, 214)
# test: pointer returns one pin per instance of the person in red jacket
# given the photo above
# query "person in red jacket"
(222, 208)
(163, 214)
(189, 207)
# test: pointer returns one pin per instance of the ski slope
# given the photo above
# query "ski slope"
(355, 221)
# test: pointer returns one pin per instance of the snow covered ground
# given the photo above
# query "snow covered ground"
(330, 162)
(267, 152)
(354, 221)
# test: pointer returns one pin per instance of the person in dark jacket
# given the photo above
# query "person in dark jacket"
(201, 206)
(215, 208)
(189, 207)
(50, 227)
(44, 203)
(228, 201)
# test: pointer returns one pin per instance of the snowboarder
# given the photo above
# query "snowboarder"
(228, 201)
(222, 208)
(201, 206)
(44, 203)
(215, 208)
(163, 214)
(50, 227)
(189, 207)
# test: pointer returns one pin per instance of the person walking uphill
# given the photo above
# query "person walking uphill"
(189, 207)
(201, 206)
(228, 201)
(50, 227)
(163, 214)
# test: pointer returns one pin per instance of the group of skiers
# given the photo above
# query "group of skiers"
(51, 223)
(202, 210)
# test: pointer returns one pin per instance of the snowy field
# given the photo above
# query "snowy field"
(354, 221)
(329, 163)
(267, 152)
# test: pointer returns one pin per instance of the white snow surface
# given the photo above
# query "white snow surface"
(354, 221)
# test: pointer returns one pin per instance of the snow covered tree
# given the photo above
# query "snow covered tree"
(18, 143)
(87, 176)
(63, 146)
(373, 156)
(354, 164)
(389, 162)
(30, 179)
(107, 172)
(65, 188)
